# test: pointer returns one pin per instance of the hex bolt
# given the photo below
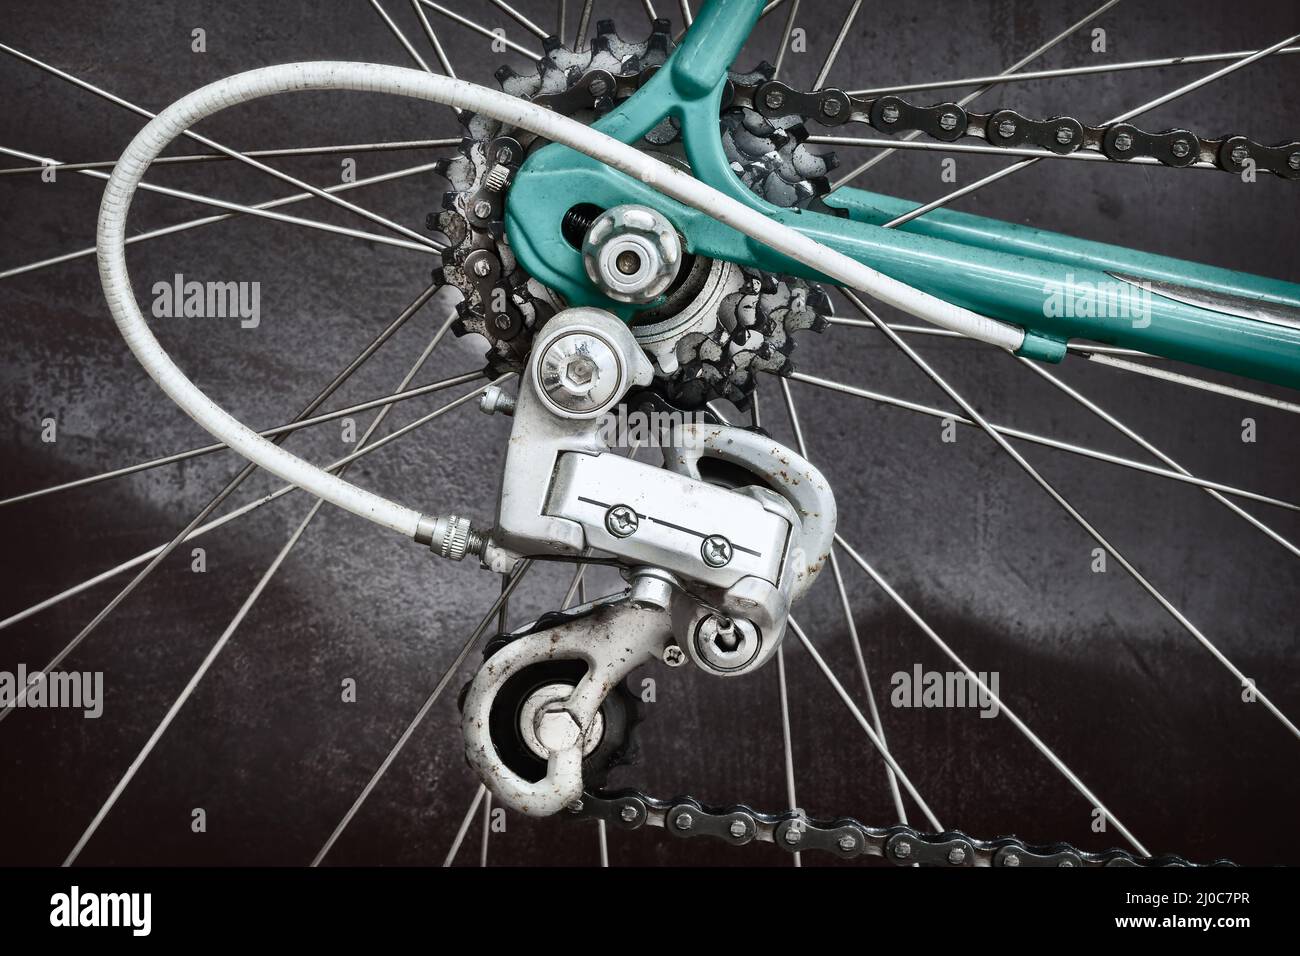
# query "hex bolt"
(890, 114)
(847, 843)
(716, 551)
(738, 829)
(957, 856)
(1293, 161)
(948, 121)
(1007, 128)
(621, 521)
(598, 86)
(482, 209)
(1240, 154)
(903, 849)
(1064, 135)
(674, 656)
(1180, 148)
(684, 821)
(1011, 859)
(628, 814)
(1123, 142)
(482, 268)
(774, 99)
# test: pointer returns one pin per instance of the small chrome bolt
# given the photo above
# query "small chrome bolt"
(1064, 135)
(890, 114)
(482, 268)
(831, 106)
(494, 400)
(628, 814)
(847, 843)
(957, 856)
(684, 821)
(482, 209)
(716, 551)
(1240, 154)
(774, 99)
(1180, 148)
(598, 86)
(948, 121)
(1123, 142)
(903, 849)
(1007, 128)
(738, 829)
(1293, 161)
(674, 656)
(1011, 859)
(621, 521)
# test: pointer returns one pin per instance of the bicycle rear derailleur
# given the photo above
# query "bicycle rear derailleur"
(716, 544)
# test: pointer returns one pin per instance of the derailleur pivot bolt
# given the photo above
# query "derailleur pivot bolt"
(632, 253)
(580, 372)
(556, 729)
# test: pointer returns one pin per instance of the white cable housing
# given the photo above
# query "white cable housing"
(377, 78)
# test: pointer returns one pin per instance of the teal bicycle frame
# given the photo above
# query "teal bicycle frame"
(1213, 317)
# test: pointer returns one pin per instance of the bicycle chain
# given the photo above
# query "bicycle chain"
(949, 122)
(845, 837)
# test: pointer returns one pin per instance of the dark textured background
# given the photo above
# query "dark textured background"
(1145, 715)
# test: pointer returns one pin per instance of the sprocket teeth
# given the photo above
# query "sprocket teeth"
(550, 44)
(606, 28)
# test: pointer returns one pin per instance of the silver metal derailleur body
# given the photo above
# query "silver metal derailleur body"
(717, 543)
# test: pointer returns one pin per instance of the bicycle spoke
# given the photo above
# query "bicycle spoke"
(259, 153)
(787, 745)
(520, 570)
(1036, 439)
(849, 622)
(649, 12)
(522, 20)
(213, 144)
(425, 247)
(479, 794)
(785, 38)
(862, 722)
(240, 512)
(1133, 435)
(209, 220)
(1028, 75)
(401, 37)
(479, 28)
(1074, 513)
(395, 397)
(487, 829)
(1121, 118)
(1003, 709)
(432, 36)
(1193, 382)
(584, 19)
(829, 62)
(976, 94)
